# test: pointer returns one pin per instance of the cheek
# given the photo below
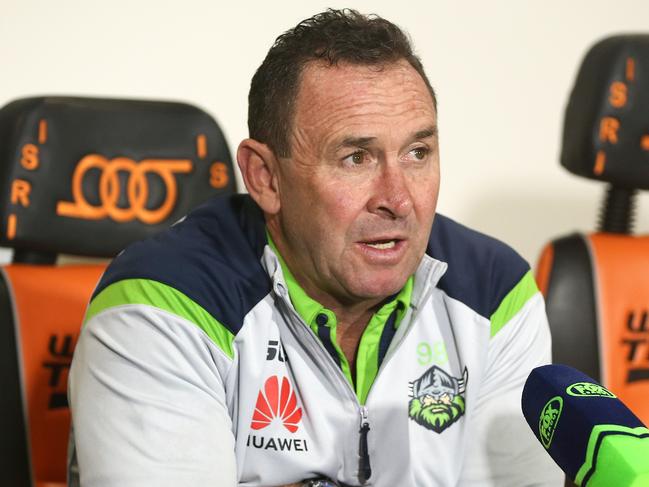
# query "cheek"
(424, 187)
(341, 202)
(425, 203)
(352, 215)
(334, 218)
(426, 190)
(317, 212)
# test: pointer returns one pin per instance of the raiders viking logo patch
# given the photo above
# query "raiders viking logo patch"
(437, 399)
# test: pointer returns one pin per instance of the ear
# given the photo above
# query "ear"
(259, 166)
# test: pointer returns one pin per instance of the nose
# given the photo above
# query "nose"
(391, 196)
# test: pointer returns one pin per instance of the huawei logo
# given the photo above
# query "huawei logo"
(277, 402)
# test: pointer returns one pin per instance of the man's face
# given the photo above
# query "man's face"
(358, 193)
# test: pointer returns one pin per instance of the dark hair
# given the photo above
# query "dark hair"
(332, 37)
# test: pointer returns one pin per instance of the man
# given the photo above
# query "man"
(317, 328)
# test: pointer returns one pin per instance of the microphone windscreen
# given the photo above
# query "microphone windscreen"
(586, 429)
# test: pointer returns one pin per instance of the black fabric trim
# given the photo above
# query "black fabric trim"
(387, 335)
(481, 270)
(14, 452)
(570, 304)
(324, 334)
(213, 257)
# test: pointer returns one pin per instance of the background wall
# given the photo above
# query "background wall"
(502, 71)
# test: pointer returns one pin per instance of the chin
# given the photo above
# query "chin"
(373, 289)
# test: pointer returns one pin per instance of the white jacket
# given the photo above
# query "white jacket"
(195, 369)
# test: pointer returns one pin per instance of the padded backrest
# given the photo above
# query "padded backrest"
(621, 271)
(597, 286)
(89, 176)
(86, 177)
(40, 331)
(597, 294)
(605, 132)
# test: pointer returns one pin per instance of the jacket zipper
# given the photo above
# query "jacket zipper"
(364, 467)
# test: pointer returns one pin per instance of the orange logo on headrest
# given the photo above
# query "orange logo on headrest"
(137, 189)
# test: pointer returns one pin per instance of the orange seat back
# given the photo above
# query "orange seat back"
(597, 286)
(621, 268)
(49, 304)
(599, 310)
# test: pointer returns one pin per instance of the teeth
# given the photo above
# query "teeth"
(383, 246)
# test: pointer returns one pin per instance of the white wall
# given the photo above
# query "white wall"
(502, 71)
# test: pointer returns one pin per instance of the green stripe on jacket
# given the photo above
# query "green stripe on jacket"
(513, 302)
(166, 298)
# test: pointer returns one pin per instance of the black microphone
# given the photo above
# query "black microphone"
(595, 439)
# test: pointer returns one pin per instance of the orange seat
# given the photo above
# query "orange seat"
(85, 177)
(48, 307)
(597, 286)
(610, 340)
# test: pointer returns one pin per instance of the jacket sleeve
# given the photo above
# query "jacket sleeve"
(148, 403)
(503, 450)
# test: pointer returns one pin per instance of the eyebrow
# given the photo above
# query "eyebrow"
(426, 133)
(365, 141)
(356, 141)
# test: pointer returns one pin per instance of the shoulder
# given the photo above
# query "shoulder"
(211, 258)
(482, 271)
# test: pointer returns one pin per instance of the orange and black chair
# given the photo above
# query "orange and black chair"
(597, 285)
(83, 177)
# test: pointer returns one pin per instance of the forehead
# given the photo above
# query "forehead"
(333, 100)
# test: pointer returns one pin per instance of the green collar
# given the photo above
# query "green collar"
(323, 323)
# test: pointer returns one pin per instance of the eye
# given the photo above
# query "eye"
(357, 158)
(420, 153)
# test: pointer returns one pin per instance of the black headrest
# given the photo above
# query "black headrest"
(89, 176)
(606, 128)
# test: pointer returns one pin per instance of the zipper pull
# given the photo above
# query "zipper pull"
(364, 468)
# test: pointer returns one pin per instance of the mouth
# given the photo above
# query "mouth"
(382, 244)
(384, 250)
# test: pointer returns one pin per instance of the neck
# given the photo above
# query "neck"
(354, 317)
